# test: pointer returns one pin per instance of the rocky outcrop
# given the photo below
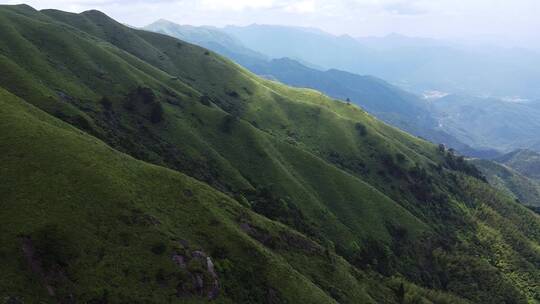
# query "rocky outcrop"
(198, 272)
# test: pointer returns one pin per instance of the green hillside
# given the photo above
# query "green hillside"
(526, 162)
(514, 184)
(388, 103)
(299, 198)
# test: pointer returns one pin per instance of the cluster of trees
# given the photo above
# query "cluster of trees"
(265, 201)
(354, 164)
(458, 163)
(144, 101)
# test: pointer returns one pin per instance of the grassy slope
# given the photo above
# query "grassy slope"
(61, 177)
(339, 185)
(525, 162)
(205, 139)
(387, 103)
(513, 183)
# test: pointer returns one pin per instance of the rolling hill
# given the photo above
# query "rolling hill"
(140, 168)
(513, 183)
(381, 99)
(526, 162)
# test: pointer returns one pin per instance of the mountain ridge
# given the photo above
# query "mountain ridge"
(389, 103)
(471, 72)
(299, 198)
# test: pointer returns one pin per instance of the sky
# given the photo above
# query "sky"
(511, 23)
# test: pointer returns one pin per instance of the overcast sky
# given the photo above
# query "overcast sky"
(509, 22)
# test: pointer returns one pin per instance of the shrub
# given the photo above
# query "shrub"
(400, 293)
(266, 202)
(233, 94)
(205, 100)
(106, 103)
(360, 129)
(156, 115)
(146, 94)
(391, 166)
(441, 148)
(400, 158)
(227, 123)
(159, 248)
(53, 247)
(375, 255)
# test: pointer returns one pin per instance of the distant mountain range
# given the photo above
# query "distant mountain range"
(459, 121)
(489, 122)
(393, 105)
(475, 126)
(139, 168)
(414, 63)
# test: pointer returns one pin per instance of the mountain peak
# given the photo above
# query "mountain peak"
(162, 22)
(94, 13)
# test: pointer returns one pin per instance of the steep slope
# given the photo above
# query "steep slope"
(526, 162)
(143, 232)
(380, 201)
(388, 103)
(522, 188)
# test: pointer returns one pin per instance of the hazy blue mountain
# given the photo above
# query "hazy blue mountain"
(395, 40)
(311, 45)
(414, 63)
(385, 101)
(208, 37)
(489, 122)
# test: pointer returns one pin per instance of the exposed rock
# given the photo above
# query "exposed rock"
(214, 291)
(198, 254)
(272, 296)
(210, 267)
(198, 282)
(179, 260)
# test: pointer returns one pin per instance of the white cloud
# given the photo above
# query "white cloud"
(237, 5)
(301, 7)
